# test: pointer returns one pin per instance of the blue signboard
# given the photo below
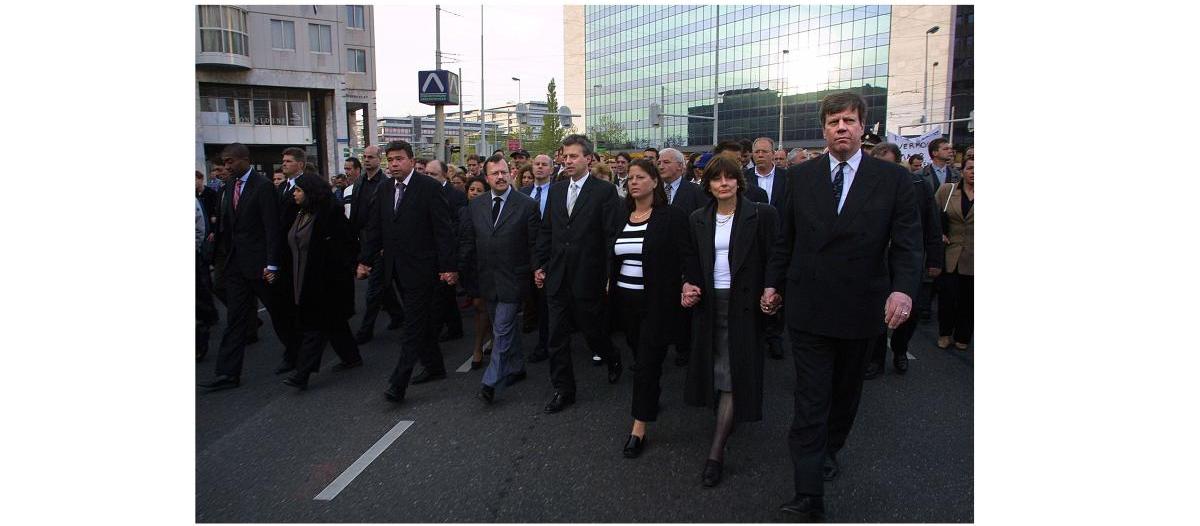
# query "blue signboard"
(437, 87)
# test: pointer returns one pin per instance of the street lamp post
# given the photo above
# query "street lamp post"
(517, 105)
(782, 84)
(925, 73)
(518, 89)
(933, 75)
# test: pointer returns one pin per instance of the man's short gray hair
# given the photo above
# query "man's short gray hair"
(673, 153)
(797, 155)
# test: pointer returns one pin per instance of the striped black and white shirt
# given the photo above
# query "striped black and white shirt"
(628, 250)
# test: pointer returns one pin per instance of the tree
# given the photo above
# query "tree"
(552, 134)
(607, 132)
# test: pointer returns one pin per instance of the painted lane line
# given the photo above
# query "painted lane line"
(363, 461)
(466, 366)
(910, 356)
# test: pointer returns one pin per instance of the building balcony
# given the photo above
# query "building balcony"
(222, 41)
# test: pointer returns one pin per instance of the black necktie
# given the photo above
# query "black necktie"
(495, 209)
(399, 195)
(837, 187)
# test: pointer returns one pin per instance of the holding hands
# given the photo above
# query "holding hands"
(539, 278)
(770, 301)
(689, 296)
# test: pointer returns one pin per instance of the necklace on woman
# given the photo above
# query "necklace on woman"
(721, 221)
(637, 218)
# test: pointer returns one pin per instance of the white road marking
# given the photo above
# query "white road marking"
(363, 461)
(466, 366)
(910, 356)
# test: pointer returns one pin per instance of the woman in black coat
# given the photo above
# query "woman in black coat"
(647, 273)
(732, 238)
(319, 263)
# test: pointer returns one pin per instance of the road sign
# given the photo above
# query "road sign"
(437, 87)
(514, 145)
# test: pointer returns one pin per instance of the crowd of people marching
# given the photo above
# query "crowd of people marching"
(725, 249)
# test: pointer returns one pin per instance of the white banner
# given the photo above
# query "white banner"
(909, 146)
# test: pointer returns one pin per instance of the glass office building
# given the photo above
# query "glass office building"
(772, 59)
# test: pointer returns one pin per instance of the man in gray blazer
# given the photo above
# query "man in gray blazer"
(498, 240)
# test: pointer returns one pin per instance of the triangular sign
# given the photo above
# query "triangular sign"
(433, 77)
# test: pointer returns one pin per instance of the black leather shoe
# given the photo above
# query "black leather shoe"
(299, 381)
(633, 446)
(427, 376)
(394, 394)
(221, 382)
(775, 352)
(538, 356)
(873, 371)
(900, 363)
(806, 508)
(712, 473)
(830, 467)
(396, 323)
(487, 394)
(450, 336)
(559, 402)
(514, 378)
(284, 367)
(681, 359)
(363, 337)
(614, 372)
(343, 366)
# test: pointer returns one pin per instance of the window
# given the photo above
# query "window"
(320, 38)
(223, 30)
(356, 60)
(283, 35)
(354, 17)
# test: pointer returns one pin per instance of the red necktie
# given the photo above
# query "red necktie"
(237, 193)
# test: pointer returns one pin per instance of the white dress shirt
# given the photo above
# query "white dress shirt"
(766, 182)
(847, 174)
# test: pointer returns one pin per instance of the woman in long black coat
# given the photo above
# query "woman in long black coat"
(647, 272)
(732, 238)
(319, 263)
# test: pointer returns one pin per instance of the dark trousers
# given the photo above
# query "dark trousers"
(683, 333)
(588, 316)
(649, 358)
(419, 338)
(379, 296)
(900, 337)
(929, 289)
(446, 309)
(530, 309)
(956, 307)
(543, 320)
(773, 329)
(240, 294)
(206, 311)
(829, 377)
(312, 345)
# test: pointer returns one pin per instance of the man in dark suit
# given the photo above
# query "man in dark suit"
(535, 307)
(687, 197)
(499, 242)
(572, 252)
(379, 292)
(765, 176)
(939, 171)
(843, 283)
(445, 308)
(408, 235)
(250, 233)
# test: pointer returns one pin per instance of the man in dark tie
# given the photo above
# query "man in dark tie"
(688, 197)
(409, 235)
(499, 241)
(843, 284)
(765, 176)
(250, 233)
(572, 252)
(535, 312)
(380, 294)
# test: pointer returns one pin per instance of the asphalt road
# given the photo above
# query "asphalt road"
(264, 451)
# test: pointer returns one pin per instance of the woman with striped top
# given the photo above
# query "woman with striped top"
(647, 271)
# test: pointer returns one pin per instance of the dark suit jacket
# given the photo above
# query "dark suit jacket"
(416, 239)
(250, 235)
(927, 173)
(456, 198)
(665, 248)
(931, 224)
(573, 250)
(833, 270)
(327, 293)
(689, 197)
(363, 199)
(751, 243)
(777, 186)
(502, 254)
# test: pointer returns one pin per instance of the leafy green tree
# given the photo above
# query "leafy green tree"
(552, 134)
(606, 132)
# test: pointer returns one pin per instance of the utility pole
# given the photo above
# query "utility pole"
(439, 131)
(716, 73)
(462, 147)
(482, 138)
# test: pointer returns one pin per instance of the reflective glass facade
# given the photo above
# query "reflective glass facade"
(636, 55)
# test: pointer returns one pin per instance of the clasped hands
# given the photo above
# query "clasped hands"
(451, 278)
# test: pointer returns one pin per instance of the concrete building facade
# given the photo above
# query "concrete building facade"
(271, 77)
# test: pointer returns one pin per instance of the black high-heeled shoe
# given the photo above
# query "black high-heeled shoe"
(712, 473)
(634, 446)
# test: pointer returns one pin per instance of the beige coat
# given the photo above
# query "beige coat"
(960, 251)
